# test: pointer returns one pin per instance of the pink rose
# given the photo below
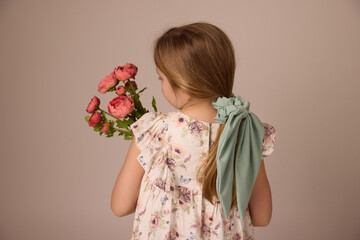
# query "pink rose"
(120, 106)
(174, 233)
(91, 107)
(94, 119)
(120, 90)
(125, 72)
(133, 83)
(106, 83)
(105, 127)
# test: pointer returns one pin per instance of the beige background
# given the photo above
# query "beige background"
(297, 63)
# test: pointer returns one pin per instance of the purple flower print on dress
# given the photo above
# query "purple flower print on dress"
(171, 163)
(205, 230)
(228, 227)
(160, 183)
(184, 193)
(228, 230)
(179, 121)
(160, 160)
(177, 150)
(269, 129)
(159, 140)
(191, 237)
(187, 158)
(236, 237)
(154, 221)
(166, 212)
(140, 138)
(182, 205)
(163, 199)
(135, 234)
(163, 185)
(268, 140)
(196, 128)
(173, 234)
(141, 160)
(209, 217)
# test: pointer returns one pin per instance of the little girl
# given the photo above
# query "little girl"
(198, 172)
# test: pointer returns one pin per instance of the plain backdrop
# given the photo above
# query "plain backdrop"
(298, 63)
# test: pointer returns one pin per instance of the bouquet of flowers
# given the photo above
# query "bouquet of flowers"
(126, 107)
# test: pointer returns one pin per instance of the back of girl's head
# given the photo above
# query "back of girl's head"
(198, 58)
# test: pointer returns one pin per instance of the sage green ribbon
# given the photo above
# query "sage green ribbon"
(241, 141)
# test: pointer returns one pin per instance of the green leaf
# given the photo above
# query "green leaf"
(124, 123)
(113, 88)
(127, 137)
(153, 103)
(142, 90)
(87, 118)
(120, 123)
(130, 89)
(138, 115)
(97, 128)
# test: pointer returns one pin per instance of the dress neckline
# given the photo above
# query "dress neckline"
(190, 118)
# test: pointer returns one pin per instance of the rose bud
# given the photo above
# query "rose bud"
(125, 72)
(91, 107)
(106, 83)
(133, 83)
(105, 127)
(120, 90)
(94, 119)
(131, 69)
(120, 106)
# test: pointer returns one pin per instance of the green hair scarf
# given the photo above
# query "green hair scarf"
(241, 141)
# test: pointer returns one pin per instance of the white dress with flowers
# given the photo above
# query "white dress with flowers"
(170, 203)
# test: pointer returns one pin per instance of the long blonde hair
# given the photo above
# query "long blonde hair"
(199, 58)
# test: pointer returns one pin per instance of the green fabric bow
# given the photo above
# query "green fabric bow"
(241, 141)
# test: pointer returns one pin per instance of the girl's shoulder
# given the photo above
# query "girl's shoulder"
(180, 119)
(148, 120)
(155, 121)
(149, 130)
(152, 119)
(172, 117)
(152, 116)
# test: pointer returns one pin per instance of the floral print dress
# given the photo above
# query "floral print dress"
(170, 203)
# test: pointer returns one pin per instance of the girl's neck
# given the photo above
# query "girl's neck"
(201, 110)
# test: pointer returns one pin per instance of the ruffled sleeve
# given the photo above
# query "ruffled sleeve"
(149, 134)
(269, 140)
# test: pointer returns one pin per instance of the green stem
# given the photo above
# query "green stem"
(117, 129)
(108, 113)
